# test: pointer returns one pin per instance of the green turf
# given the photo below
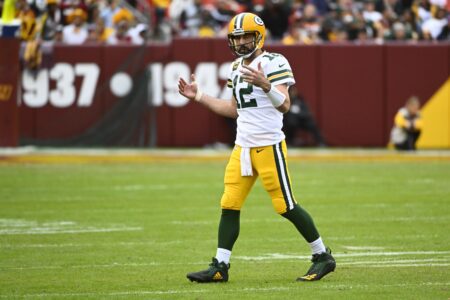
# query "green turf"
(134, 231)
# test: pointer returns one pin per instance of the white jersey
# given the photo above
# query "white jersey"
(259, 123)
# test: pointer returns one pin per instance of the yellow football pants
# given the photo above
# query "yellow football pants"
(270, 164)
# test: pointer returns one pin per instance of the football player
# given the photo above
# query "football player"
(260, 82)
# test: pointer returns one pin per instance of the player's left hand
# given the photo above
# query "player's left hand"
(256, 77)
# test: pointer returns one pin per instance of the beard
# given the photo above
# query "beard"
(245, 48)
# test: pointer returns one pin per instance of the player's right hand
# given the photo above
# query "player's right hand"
(188, 90)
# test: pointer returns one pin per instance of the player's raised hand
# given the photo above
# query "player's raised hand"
(255, 77)
(188, 90)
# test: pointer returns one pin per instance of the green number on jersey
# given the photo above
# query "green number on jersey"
(241, 102)
(271, 56)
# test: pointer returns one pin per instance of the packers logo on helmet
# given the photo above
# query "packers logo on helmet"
(246, 24)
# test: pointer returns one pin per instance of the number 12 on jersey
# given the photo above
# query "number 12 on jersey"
(241, 101)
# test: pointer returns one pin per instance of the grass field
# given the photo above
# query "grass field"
(133, 230)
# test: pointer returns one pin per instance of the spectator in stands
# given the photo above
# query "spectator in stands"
(67, 7)
(299, 117)
(407, 125)
(76, 33)
(122, 21)
(109, 11)
(223, 11)
(311, 22)
(436, 27)
(292, 22)
(331, 22)
(322, 6)
(339, 36)
(275, 16)
(245, 5)
(133, 3)
(398, 32)
(93, 11)
(176, 9)
(138, 34)
(208, 27)
(100, 33)
(190, 19)
(358, 29)
(297, 34)
(423, 10)
(370, 14)
(50, 21)
(408, 18)
(161, 26)
(28, 28)
(363, 37)
(38, 7)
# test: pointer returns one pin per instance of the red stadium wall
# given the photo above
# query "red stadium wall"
(353, 91)
(9, 74)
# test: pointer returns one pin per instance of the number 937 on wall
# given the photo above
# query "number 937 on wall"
(36, 85)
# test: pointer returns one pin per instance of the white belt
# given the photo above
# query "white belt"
(246, 162)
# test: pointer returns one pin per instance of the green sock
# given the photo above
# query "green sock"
(228, 228)
(303, 222)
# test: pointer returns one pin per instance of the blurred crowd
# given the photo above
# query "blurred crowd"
(289, 22)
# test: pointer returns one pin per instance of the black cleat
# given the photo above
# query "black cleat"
(217, 272)
(323, 264)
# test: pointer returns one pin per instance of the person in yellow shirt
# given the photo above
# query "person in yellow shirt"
(28, 21)
(408, 125)
(297, 34)
(100, 33)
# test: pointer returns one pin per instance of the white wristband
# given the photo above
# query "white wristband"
(198, 95)
(276, 97)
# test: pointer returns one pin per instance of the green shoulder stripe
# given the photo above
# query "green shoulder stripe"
(279, 72)
(281, 78)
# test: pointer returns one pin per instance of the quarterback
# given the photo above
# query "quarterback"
(259, 81)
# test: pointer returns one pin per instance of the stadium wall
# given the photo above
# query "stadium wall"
(127, 95)
(9, 74)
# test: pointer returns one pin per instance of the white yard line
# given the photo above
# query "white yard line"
(426, 262)
(393, 261)
(113, 265)
(25, 227)
(279, 256)
(73, 245)
(357, 248)
(64, 231)
(408, 265)
(209, 291)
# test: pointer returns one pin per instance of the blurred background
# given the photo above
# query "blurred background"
(104, 73)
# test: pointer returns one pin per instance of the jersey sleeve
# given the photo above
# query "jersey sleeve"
(279, 71)
(418, 122)
(400, 120)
